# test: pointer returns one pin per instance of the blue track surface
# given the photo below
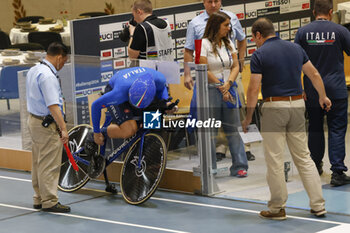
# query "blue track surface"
(93, 210)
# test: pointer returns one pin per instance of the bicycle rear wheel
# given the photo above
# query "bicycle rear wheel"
(138, 184)
(71, 180)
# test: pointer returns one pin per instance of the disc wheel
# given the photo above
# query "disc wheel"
(139, 183)
(71, 180)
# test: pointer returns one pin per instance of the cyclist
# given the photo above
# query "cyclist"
(128, 92)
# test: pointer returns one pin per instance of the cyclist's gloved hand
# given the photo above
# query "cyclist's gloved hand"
(172, 107)
(163, 105)
(157, 104)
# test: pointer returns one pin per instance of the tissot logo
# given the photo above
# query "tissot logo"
(119, 52)
(276, 3)
(106, 36)
(180, 53)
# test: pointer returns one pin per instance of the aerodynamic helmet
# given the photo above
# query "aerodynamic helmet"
(142, 91)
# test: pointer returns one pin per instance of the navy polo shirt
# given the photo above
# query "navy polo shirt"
(324, 42)
(280, 63)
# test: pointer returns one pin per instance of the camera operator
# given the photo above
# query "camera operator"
(151, 38)
(44, 103)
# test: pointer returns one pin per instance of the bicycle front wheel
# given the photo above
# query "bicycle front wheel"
(138, 183)
(71, 180)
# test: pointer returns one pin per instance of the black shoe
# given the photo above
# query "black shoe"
(250, 156)
(90, 147)
(37, 207)
(319, 214)
(219, 156)
(319, 168)
(339, 179)
(58, 208)
(111, 189)
(97, 162)
(96, 167)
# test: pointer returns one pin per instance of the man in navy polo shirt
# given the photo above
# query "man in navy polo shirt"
(324, 42)
(277, 65)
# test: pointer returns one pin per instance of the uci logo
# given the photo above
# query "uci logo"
(87, 92)
(106, 36)
(180, 42)
(181, 25)
(251, 14)
(106, 76)
(151, 120)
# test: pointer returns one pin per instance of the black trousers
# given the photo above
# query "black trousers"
(337, 120)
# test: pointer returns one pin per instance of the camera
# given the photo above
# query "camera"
(125, 34)
(47, 121)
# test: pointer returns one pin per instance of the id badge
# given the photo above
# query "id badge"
(226, 75)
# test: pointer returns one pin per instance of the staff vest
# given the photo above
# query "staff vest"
(159, 42)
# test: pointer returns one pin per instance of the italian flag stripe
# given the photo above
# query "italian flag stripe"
(319, 41)
(140, 101)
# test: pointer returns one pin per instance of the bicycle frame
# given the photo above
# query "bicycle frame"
(118, 151)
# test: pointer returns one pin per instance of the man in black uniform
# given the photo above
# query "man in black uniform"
(151, 38)
(324, 43)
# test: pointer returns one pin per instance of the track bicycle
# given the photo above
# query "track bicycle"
(141, 172)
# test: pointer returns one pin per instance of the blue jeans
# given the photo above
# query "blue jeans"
(337, 120)
(230, 121)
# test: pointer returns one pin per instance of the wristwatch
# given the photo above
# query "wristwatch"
(230, 82)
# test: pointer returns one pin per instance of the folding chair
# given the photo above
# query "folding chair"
(179, 91)
(33, 19)
(93, 14)
(44, 38)
(9, 82)
(4, 40)
(28, 46)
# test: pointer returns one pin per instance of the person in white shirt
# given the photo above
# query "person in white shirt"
(220, 54)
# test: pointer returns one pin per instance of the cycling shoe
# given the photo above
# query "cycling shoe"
(97, 165)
